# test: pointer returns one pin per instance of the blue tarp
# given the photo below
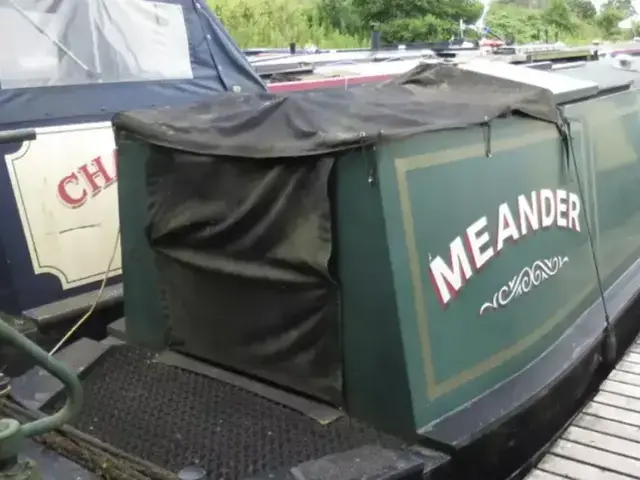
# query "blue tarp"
(99, 90)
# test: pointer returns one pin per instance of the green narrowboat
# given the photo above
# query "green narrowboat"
(423, 278)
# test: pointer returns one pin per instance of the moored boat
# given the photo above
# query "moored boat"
(67, 78)
(417, 279)
(71, 66)
(421, 278)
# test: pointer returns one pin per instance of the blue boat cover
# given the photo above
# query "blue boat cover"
(65, 61)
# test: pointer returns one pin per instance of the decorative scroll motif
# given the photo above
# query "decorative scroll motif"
(524, 282)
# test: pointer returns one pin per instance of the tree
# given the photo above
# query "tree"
(384, 11)
(407, 30)
(340, 15)
(558, 16)
(624, 6)
(583, 9)
(609, 18)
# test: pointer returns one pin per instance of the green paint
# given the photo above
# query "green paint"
(469, 353)
(145, 324)
(613, 144)
(373, 349)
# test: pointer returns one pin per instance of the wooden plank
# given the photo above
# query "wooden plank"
(616, 400)
(609, 427)
(603, 441)
(567, 468)
(633, 355)
(624, 377)
(613, 413)
(628, 367)
(597, 458)
(540, 475)
(620, 389)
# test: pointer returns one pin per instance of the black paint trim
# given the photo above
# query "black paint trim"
(370, 462)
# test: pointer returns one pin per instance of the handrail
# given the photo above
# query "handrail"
(14, 136)
(56, 368)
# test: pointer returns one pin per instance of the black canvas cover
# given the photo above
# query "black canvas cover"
(243, 252)
(431, 97)
(239, 213)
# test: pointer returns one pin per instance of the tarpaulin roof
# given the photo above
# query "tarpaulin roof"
(431, 97)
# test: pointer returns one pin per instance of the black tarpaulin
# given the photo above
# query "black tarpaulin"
(239, 213)
(431, 97)
(243, 254)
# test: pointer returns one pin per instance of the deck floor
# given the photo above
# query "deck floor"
(603, 441)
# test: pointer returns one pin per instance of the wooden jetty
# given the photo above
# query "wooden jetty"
(603, 441)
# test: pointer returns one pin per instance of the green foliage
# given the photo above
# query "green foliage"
(276, 23)
(608, 20)
(625, 7)
(512, 21)
(558, 17)
(584, 10)
(383, 11)
(348, 23)
(427, 28)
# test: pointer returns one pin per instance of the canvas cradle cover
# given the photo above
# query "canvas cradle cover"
(240, 209)
(428, 98)
(70, 61)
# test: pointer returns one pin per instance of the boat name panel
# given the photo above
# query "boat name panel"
(475, 248)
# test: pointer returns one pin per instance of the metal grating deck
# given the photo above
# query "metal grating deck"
(174, 418)
(603, 441)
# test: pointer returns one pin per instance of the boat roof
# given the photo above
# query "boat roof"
(568, 83)
(608, 75)
(72, 59)
(564, 89)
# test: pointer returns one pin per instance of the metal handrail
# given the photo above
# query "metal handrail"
(12, 433)
(15, 136)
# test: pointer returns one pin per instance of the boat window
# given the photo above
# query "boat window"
(72, 42)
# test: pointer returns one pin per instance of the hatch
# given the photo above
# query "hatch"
(565, 88)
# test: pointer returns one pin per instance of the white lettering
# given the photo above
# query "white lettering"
(574, 212)
(448, 280)
(470, 252)
(547, 207)
(528, 213)
(507, 227)
(561, 208)
(477, 239)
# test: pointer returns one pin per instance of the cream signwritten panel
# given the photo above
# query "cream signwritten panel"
(64, 183)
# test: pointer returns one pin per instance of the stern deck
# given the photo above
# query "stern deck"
(172, 418)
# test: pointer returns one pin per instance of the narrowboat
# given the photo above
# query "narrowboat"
(72, 65)
(424, 277)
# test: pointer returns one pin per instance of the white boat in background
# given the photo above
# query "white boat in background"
(345, 69)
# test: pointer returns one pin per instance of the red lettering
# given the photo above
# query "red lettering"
(66, 197)
(91, 177)
(94, 175)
